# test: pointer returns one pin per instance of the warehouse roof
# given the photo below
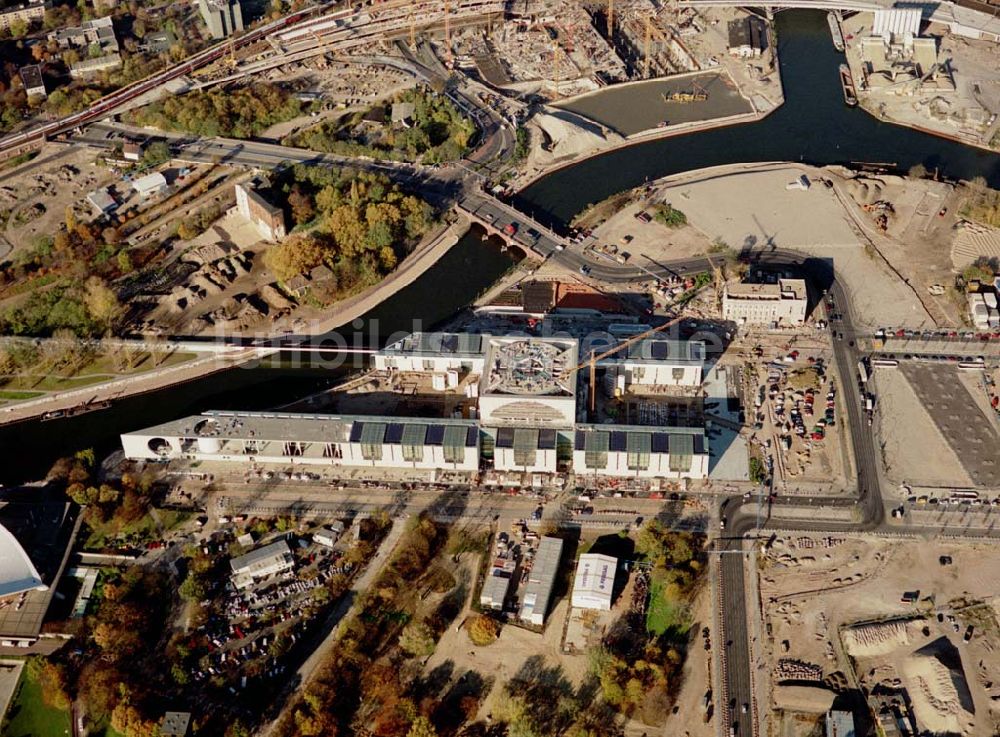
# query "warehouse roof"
(278, 549)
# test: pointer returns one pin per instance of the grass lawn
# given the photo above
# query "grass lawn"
(29, 716)
(19, 396)
(665, 614)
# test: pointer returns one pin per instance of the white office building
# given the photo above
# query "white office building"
(434, 352)
(312, 440)
(529, 382)
(255, 566)
(780, 304)
(541, 581)
(594, 584)
(656, 362)
(637, 451)
(526, 449)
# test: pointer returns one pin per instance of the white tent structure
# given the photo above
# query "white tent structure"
(594, 582)
(17, 572)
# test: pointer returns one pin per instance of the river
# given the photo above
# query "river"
(814, 126)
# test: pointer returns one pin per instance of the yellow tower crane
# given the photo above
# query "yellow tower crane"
(591, 362)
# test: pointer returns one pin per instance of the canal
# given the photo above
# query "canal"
(813, 126)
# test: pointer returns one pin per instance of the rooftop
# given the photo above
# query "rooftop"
(784, 289)
(595, 575)
(653, 349)
(530, 366)
(458, 344)
(275, 550)
(266, 426)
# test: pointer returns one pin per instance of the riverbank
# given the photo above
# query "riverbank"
(538, 168)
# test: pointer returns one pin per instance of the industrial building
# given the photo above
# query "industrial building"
(268, 219)
(840, 724)
(747, 37)
(261, 563)
(593, 586)
(777, 305)
(497, 584)
(222, 17)
(329, 440)
(150, 185)
(640, 452)
(328, 536)
(541, 581)
(656, 362)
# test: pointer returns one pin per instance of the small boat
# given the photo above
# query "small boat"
(838, 36)
(80, 409)
(847, 82)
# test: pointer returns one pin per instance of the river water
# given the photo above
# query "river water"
(813, 126)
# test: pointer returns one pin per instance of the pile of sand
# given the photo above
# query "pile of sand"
(938, 690)
(871, 640)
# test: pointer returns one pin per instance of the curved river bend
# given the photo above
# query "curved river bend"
(813, 126)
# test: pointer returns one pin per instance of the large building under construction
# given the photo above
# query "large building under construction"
(523, 410)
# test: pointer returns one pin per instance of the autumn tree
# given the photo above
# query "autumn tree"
(417, 639)
(294, 256)
(422, 727)
(483, 630)
(101, 302)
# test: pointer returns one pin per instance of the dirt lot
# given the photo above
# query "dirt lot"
(38, 193)
(812, 586)
(913, 450)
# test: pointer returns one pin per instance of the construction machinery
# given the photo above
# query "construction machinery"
(696, 94)
(591, 362)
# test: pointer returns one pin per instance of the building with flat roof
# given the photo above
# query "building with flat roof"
(497, 584)
(267, 218)
(328, 536)
(747, 37)
(541, 581)
(657, 362)
(780, 304)
(222, 17)
(93, 66)
(434, 352)
(150, 185)
(594, 583)
(840, 724)
(31, 77)
(175, 724)
(97, 31)
(638, 451)
(330, 440)
(261, 563)
(24, 13)
(102, 201)
(527, 449)
(529, 382)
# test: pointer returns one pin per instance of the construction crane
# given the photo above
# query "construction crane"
(447, 33)
(556, 73)
(697, 94)
(611, 20)
(413, 31)
(595, 357)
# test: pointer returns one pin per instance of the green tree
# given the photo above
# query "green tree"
(417, 639)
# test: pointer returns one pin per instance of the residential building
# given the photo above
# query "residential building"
(747, 37)
(132, 150)
(150, 185)
(593, 586)
(94, 66)
(268, 219)
(635, 451)
(34, 84)
(352, 441)
(98, 32)
(223, 17)
(780, 304)
(541, 581)
(25, 13)
(255, 566)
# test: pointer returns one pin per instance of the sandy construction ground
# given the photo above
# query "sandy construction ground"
(913, 449)
(813, 585)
